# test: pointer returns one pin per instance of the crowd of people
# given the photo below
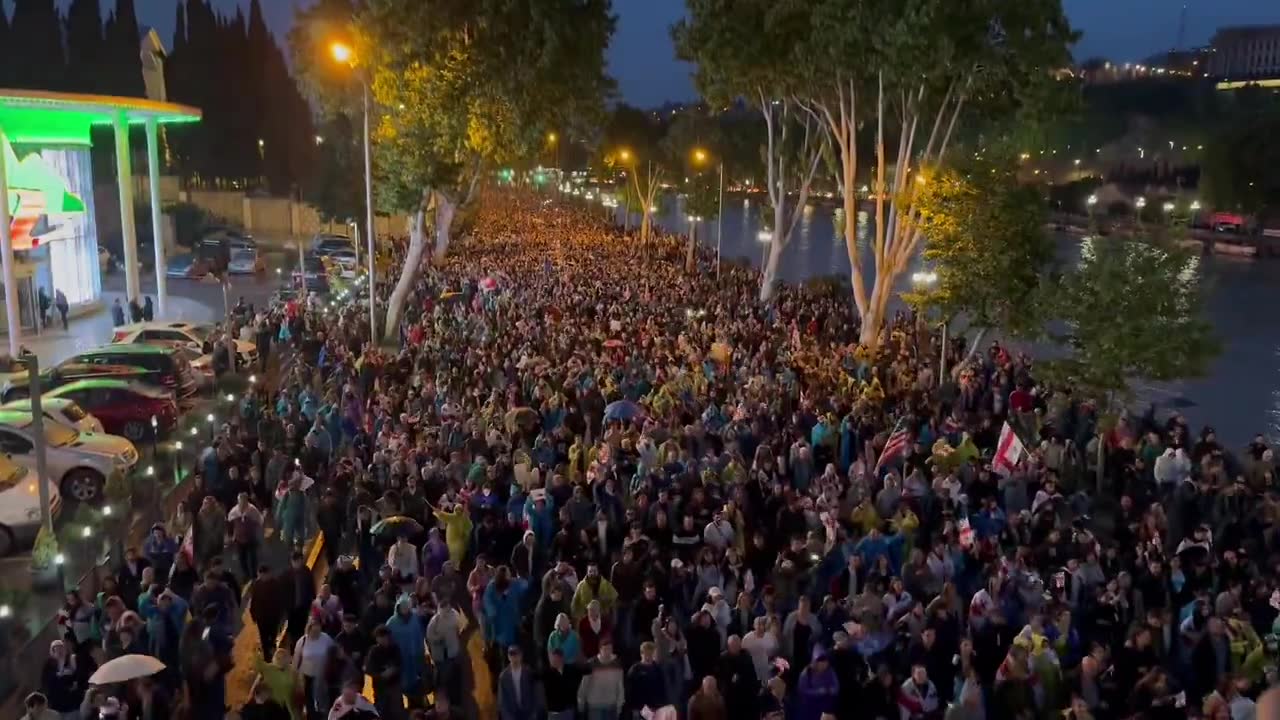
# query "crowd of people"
(651, 495)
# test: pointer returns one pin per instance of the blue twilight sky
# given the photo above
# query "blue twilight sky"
(642, 60)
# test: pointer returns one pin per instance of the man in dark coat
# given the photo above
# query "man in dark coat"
(268, 606)
(737, 675)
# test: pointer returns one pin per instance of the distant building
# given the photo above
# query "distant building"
(1245, 52)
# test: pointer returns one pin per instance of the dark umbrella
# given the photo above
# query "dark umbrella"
(395, 526)
(623, 410)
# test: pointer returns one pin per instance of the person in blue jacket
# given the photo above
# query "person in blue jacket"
(409, 633)
(503, 604)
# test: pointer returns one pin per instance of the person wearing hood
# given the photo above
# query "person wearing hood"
(60, 681)
(409, 635)
(818, 688)
(551, 605)
(564, 639)
(457, 523)
(503, 607)
(917, 697)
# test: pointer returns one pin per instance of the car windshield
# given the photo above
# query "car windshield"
(11, 473)
(200, 331)
(59, 435)
(74, 412)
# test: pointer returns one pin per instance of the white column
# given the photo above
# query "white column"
(157, 217)
(128, 232)
(6, 258)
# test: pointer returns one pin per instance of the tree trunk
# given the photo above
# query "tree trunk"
(769, 280)
(973, 348)
(446, 208)
(690, 256)
(408, 273)
(644, 226)
(877, 310)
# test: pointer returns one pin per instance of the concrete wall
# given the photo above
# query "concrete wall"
(266, 215)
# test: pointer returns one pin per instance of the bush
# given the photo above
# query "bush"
(189, 222)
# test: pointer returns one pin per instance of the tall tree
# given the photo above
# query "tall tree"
(1130, 311)
(748, 52)
(35, 50)
(985, 239)
(85, 46)
(465, 85)
(124, 62)
(339, 159)
(912, 69)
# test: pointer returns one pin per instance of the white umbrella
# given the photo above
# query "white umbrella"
(126, 668)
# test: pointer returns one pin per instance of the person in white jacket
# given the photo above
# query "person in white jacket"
(917, 698)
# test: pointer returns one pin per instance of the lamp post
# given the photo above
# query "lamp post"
(1138, 204)
(343, 53)
(1195, 212)
(699, 156)
(1089, 205)
(925, 279)
(554, 141)
(625, 156)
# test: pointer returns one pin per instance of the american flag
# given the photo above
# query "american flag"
(895, 447)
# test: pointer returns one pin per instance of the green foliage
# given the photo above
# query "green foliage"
(335, 188)
(984, 237)
(1131, 310)
(702, 194)
(1239, 169)
(462, 85)
(190, 221)
(45, 549)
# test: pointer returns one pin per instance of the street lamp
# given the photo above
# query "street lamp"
(699, 157)
(624, 155)
(345, 55)
(1138, 205)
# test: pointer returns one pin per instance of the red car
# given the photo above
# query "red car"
(125, 408)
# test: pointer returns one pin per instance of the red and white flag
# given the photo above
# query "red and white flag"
(895, 447)
(1009, 451)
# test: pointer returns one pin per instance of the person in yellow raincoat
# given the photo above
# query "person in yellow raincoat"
(593, 587)
(457, 532)
(864, 516)
(575, 460)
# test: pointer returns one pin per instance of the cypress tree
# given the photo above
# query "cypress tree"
(85, 71)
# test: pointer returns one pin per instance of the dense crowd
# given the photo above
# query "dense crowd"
(649, 493)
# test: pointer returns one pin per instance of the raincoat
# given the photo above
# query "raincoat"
(457, 526)
(502, 611)
(409, 633)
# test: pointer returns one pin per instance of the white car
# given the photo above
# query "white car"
(61, 410)
(79, 463)
(20, 505)
(191, 335)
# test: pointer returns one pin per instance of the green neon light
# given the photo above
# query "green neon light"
(42, 126)
(31, 182)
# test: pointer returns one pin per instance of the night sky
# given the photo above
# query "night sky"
(642, 60)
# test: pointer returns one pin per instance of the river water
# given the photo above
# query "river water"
(1239, 396)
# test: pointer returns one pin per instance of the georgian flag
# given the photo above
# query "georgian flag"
(1009, 451)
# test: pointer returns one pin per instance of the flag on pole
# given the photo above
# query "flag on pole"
(1009, 451)
(895, 447)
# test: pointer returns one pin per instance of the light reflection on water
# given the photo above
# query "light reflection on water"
(1240, 395)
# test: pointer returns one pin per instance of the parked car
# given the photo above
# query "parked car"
(324, 244)
(15, 388)
(186, 265)
(79, 463)
(62, 410)
(191, 335)
(317, 278)
(167, 368)
(246, 261)
(344, 261)
(20, 505)
(125, 408)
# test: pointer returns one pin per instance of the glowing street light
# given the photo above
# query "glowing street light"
(319, 140)
(1092, 200)
(1195, 204)
(1140, 203)
(924, 278)
(624, 155)
(86, 532)
(551, 138)
(699, 156)
(341, 52)
(1167, 207)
